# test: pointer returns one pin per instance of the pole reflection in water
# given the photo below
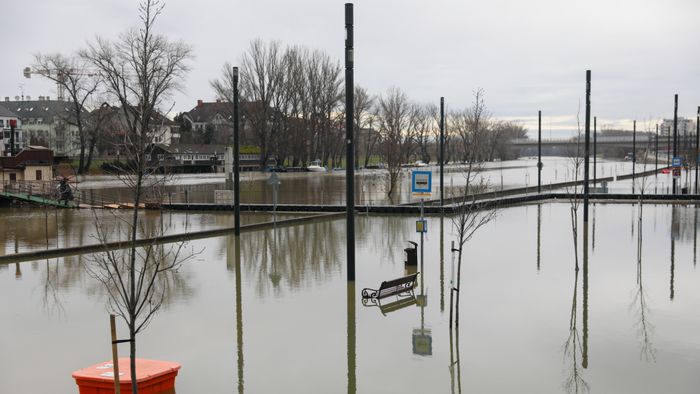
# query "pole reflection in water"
(539, 228)
(593, 229)
(675, 230)
(234, 252)
(695, 235)
(584, 362)
(351, 336)
(442, 263)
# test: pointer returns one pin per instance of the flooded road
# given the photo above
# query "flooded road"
(370, 185)
(272, 311)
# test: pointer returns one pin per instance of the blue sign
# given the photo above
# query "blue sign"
(421, 182)
(676, 162)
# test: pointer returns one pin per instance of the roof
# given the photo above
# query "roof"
(46, 110)
(35, 155)
(7, 113)
(205, 112)
(193, 148)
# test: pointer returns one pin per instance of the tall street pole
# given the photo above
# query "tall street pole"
(697, 148)
(350, 152)
(539, 151)
(656, 160)
(634, 151)
(586, 149)
(675, 137)
(236, 157)
(442, 150)
(595, 146)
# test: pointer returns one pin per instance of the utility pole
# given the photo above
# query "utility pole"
(595, 146)
(442, 150)
(675, 138)
(539, 151)
(656, 160)
(350, 152)
(236, 158)
(586, 149)
(13, 124)
(634, 151)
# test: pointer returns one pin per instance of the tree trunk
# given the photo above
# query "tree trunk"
(132, 358)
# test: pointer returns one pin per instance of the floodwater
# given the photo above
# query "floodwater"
(272, 311)
(370, 185)
(25, 229)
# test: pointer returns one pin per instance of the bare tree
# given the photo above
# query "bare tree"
(470, 215)
(396, 117)
(141, 70)
(425, 128)
(575, 191)
(71, 75)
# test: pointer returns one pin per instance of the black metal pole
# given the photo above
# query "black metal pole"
(539, 151)
(595, 147)
(236, 154)
(13, 124)
(586, 148)
(675, 137)
(442, 150)
(697, 148)
(634, 151)
(350, 152)
(656, 160)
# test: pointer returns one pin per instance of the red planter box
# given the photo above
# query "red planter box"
(152, 377)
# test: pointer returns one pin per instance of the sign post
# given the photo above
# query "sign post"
(676, 163)
(421, 185)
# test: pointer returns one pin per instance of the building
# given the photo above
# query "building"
(685, 127)
(6, 117)
(34, 164)
(196, 158)
(163, 130)
(48, 123)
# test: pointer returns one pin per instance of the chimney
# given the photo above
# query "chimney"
(199, 103)
(48, 98)
(41, 98)
(7, 99)
(29, 98)
(218, 100)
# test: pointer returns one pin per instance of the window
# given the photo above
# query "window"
(13, 176)
(2, 122)
(160, 157)
(38, 175)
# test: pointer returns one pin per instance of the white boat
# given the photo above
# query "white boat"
(316, 166)
(420, 163)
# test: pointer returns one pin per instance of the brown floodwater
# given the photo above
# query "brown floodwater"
(272, 311)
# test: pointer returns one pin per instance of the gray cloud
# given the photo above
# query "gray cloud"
(527, 55)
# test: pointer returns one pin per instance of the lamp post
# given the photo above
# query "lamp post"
(236, 157)
(350, 150)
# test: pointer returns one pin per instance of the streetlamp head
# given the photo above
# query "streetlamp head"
(27, 72)
(235, 71)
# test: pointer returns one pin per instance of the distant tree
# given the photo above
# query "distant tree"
(207, 136)
(396, 119)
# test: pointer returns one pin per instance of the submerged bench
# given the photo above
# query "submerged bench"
(391, 287)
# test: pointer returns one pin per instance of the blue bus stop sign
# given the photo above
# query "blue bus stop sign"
(421, 182)
(676, 162)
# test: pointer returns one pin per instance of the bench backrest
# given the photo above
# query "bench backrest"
(398, 282)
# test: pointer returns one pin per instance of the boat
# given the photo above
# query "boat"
(316, 166)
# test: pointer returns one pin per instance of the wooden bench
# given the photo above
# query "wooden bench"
(391, 287)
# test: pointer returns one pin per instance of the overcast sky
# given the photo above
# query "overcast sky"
(526, 55)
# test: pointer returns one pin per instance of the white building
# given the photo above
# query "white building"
(685, 126)
(48, 123)
(5, 117)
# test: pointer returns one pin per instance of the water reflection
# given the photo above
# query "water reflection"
(644, 328)
(573, 348)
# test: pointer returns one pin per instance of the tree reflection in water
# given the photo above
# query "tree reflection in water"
(573, 348)
(643, 327)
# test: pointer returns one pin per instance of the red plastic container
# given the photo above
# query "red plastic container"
(152, 377)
